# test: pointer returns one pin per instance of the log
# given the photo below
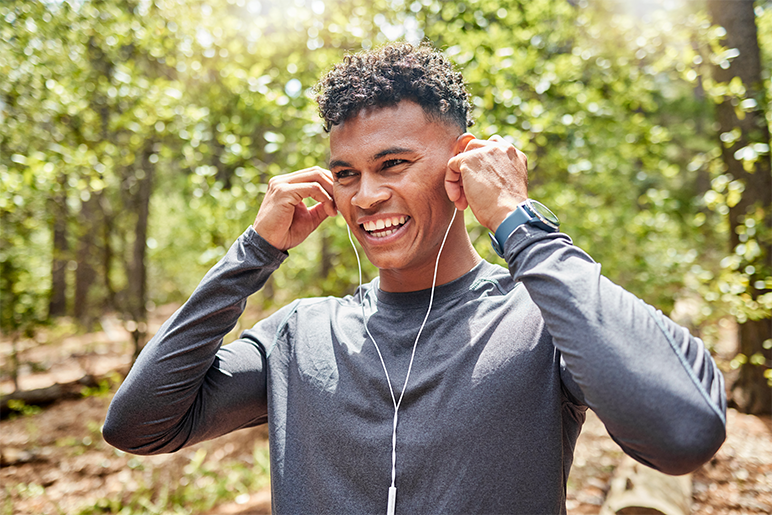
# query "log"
(10, 456)
(639, 490)
(47, 395)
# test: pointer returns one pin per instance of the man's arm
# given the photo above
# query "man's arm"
(655, 386)
(185, 388)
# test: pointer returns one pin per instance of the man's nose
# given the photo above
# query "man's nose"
(370, 193)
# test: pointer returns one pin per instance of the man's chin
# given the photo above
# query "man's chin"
(386, 260)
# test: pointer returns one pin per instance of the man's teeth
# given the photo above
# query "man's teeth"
(384, 223)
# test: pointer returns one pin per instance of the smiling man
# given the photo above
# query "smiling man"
(456, 382)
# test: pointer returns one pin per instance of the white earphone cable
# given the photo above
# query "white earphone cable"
(396, 403)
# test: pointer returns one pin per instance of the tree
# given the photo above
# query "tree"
(26, 176)
(57, 305)
(148, 148)
(597, 98)
(745, 139)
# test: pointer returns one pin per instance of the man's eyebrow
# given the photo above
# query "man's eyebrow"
(390, 151)
(339, 163)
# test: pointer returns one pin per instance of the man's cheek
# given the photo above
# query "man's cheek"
(342, 204)
(336, 196)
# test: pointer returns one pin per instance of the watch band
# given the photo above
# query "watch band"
(524, 213)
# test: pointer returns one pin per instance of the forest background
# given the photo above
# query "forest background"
(137, 138)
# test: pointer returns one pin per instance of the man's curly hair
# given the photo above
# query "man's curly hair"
(385, 76)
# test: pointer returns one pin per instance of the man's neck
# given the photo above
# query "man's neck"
(456, 260)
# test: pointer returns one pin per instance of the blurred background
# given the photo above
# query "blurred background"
(137, 138)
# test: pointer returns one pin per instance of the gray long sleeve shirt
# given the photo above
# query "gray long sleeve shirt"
(505, 368)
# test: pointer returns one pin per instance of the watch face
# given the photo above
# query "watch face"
(544, 213)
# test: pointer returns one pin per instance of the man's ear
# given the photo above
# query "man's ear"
(461, 142)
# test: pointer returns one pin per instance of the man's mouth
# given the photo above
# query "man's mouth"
(385, 226)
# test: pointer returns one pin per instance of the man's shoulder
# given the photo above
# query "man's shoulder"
(325, 304)
(300, 316)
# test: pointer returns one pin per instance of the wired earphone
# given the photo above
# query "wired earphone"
(391, 507)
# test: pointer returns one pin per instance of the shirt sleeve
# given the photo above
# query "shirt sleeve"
(185, 387)
(654, 385)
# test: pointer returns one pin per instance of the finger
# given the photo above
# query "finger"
(521, 156)
(312, 190)
(324, 178)
(324, 199)
(329, 207)
(454, 190)
(461, 203)
(454, 186)
(318, 214)
(313, 174)
(476, 143)
(290, 196)
(453, 178)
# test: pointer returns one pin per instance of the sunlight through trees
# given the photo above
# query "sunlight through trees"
(137, 138)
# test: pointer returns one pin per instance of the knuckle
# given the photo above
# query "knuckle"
(277, 186)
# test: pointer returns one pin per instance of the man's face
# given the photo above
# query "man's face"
(388, 166)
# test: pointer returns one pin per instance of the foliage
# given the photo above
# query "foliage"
(202, 485)
(21, 265)
(596, 100)
(21, 408)
(104, 387)
(736, 283)
(611, 102)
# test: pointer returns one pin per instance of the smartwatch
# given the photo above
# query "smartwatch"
(528, 212)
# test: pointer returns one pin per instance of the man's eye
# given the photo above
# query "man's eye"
(343, 174)
(392, 162)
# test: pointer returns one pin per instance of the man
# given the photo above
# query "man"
(473, 407)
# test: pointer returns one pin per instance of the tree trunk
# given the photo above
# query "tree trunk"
(326, 256)
(107, 252)
(85, 273)
(15, 361)
(57, 305)
(138, 273)
(751, 393)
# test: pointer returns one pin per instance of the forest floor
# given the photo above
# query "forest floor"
(54, 461)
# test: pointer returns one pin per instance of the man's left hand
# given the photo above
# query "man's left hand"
(489, 176)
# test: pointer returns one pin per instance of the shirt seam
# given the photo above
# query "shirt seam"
(494, 282)
(684, 362)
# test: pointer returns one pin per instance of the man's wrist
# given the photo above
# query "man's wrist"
(527, 212)
(265, 246)
(503, 212)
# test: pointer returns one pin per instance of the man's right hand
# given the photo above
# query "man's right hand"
(283, 220)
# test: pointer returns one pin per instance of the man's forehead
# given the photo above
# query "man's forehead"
(403, 109)
(384, 128)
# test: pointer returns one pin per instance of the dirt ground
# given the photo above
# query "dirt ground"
(55, 461)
